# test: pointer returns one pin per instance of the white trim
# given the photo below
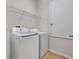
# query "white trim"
(59, 53)
(58, 36)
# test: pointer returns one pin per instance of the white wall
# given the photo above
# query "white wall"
(22, 18)
(27, 5)
(61, 45)
(43, 11)
(62, 17)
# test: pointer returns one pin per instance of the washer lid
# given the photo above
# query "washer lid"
(24, 34)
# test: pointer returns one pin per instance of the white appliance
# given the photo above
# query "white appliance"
(24, 45)
(43, 36)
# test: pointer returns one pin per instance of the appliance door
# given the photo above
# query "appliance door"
(29, 47)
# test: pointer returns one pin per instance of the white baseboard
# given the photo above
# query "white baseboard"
(59, 53)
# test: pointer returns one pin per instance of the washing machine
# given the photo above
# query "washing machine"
(24, 45)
